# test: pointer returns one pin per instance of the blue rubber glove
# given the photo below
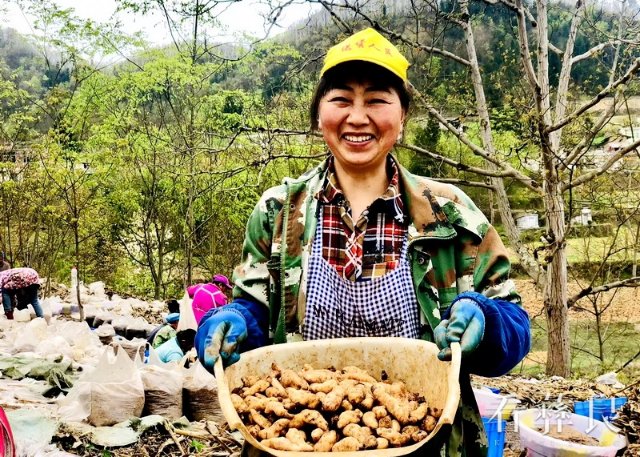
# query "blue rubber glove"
(220, 336)
(465, 325)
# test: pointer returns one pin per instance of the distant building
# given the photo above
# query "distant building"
(626, 136)
(604, 147)
(584, 218)
(527, 221)
(13, 160)
(632, 132)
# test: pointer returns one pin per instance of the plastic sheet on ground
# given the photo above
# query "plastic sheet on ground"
(49, 451)
(56, 371)
(54, 303)
(32, 430)
(25, 393)
(74, 340)
(122, 434)
(97, 289)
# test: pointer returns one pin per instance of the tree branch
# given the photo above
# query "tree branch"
(457, 165)
(335, 17)
(278, 131)
(465, 182)
(594, 50)
(630, 282)
(501, 164)
(554, 49)
(562, 91)
(525, 53)
(623, 367)
(584, 144)
(581, 148)
(527, 13)
(593, 174)
(602, 94)
(397, 36)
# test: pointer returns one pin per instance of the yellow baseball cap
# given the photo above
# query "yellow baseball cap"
(370, 46)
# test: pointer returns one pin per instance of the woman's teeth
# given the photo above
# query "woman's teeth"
(358, 139)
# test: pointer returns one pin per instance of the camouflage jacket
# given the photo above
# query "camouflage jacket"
(452, 249)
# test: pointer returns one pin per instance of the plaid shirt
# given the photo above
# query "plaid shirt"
(370, 247)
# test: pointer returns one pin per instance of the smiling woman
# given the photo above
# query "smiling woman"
(360, 112)
(360, 247)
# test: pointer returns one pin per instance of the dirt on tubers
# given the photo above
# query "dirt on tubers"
(329, 410)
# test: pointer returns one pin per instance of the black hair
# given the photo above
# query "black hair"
(358, 71)
(185, 339)
(173, 305)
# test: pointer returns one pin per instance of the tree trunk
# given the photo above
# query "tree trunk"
(634, 266)
(599, 333)
(188, 246)
(555, 291)
(76, 236)
(158, 282)
(8, 253)
(502, 199)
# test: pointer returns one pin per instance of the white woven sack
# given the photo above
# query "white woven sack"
(110, 394)
(187, 319)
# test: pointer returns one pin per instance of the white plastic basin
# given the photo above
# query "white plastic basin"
(494, 405)
(539, 444)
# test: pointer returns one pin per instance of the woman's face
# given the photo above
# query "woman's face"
(360, 124)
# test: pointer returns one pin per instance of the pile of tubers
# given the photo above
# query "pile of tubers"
(328, 410)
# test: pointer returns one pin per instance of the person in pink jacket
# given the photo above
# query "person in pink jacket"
(207, 296)
(20, 285)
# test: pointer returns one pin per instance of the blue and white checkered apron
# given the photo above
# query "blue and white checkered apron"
(337, 307)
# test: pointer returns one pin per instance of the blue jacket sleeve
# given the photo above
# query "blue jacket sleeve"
(507, 336)
(255, 315)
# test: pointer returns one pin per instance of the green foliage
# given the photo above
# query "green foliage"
(506, 118)
(270, 67)
(619, 346)
(196, 446)
(425, 136)
(144, 173)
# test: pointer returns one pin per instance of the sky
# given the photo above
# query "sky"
(237, 17)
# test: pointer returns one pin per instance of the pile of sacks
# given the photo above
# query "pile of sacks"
(119, 388)
(111, 384)
(115, 320)
(72, 340)
(97, 303)
(107, 350)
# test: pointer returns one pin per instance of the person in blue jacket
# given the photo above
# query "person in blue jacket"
(174, 349)
(359, 246)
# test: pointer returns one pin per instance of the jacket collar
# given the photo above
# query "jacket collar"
(434, 208)
(428, 220)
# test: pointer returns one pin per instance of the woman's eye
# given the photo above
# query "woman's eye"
(339, 100)
(378, 101)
